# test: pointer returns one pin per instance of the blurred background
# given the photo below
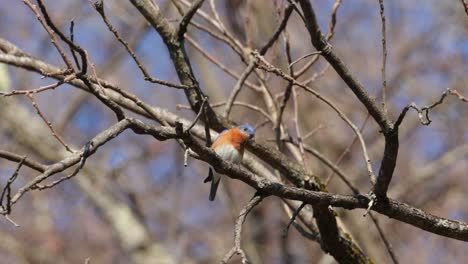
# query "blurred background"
(134, 198)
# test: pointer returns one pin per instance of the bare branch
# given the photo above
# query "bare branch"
(99, 7)
(264, 65)
(6, 192)
(423, 113)
(235, 91)
(384, 238)
(48, 123)
(187, 18)
(257, 199)
(384, 57)
(40, 89)
(281, 27)
(27, 161)
(293, 218)
(321, 44)
(50, 31)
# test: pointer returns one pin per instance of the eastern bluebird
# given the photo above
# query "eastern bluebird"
(229, 145)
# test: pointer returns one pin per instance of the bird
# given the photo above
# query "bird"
(229, 145)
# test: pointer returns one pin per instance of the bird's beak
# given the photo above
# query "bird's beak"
(251, 136)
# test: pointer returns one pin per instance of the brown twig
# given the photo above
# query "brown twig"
(27, 161)
(202, 108)
(72, 38)
(304, 57)
(236, 249)
(423, 113)
(73, 45)
(332, 24)
(346, 151)
(247, 105)
(99, 7)
(236, 90)
(264, 65)
(455, 92)
(40, 89)
(329, 164)
(6, 192)
(187, 18)
(384, 239)
(219, 64)
(330, 34)
(48, 123)
(314, 131)
(279, 29)
(93, 70)
(384, 57)
(50, 31)
(293, 218)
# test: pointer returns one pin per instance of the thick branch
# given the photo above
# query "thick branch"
(393, 209)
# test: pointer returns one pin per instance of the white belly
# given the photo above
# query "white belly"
(229, 153)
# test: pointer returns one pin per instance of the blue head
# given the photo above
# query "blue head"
(247, 130)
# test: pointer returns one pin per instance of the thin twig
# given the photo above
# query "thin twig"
(7, 217)
(42, 88)
(237, 88)
(217, 36)
(247, 105)
(330, 34)
(332, 166)
(293, 218)
(286, 95)
(295, 94)
(27, 162)
(6, 192)
(188, 17)
(50, 31)
(332, 24)
(238, 230)
(202, 108)
(314, 131)
(297, 126)
(84, 156)
(48, 123)
(222, 28)
(303, 57)
(384, 57)
(73, 45)
(219, 64)
(423, 113)
(346, 150)
(281, 27)
(93, 70)
(316, 75)
(325, 161)
(455, 92)
(99, 7)
(265, 65)
(72, 38)
(384, 238)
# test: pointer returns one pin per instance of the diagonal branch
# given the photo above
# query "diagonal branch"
(236, 249)
(187, 18)
(99, 7)
(321, 44)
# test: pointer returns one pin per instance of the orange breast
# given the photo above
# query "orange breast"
(234, 137)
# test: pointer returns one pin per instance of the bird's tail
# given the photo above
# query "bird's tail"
(214, 178)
